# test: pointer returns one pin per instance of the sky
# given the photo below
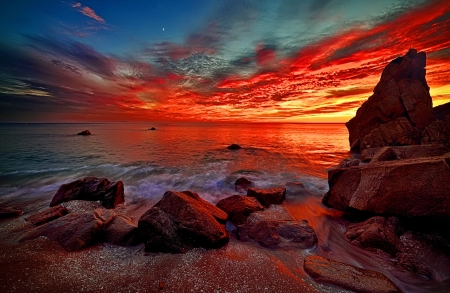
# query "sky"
(210, 60)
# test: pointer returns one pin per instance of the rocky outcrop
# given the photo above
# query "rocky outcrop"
(275, 234)
(108, 193)
(268, 196)
(404, 152)
(239, 208)
(328, 271)
(407, 188)
(47, 215)
(9, 212)
(84, 132)
(376, 233)
(234, 147)
(181, 221)
(242, 184)
(400, 109)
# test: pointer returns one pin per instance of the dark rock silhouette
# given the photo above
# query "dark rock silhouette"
(328, 271)
(153, 128)
(181, 221)
(84, 132)
(268, 196)
(108, 193)
(47, 215)
(242, 184)
(234, 147)
(239, 208)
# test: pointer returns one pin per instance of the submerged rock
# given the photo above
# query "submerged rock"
(153, 128)
(9, 212)
(328, 271)
(84, 132)
(47, 215)
(242, 184)
(108, 193)
(408, 188)
(376, 233)
(234, 147)
(181, 221)
(239, 208)
(268, 196)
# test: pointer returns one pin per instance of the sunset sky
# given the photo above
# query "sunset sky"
(210, 60)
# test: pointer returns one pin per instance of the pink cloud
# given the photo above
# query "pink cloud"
(91, 13)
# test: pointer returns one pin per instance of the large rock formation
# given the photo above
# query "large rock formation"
(416, 187)
(108, 193)
(181, 221)
(331, 272)
(400, 110)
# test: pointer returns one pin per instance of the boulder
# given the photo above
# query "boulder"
(400, 98)
(108, 193)
(407, 188)
(153, 128)
(410, 263)
(268, 196)
(181, 221)
(234, 147)
(376, 233)
(121, 231)
(239, 208)
(328, 271)
(47, 215)
(437, 132)
(84, 132)
(242, 184)
(9, 212)
(408, 152)
(385, 154)
(275, 234)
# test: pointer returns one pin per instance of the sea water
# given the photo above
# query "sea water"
(35, 159)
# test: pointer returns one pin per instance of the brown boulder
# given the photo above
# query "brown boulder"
(121, 230)
(181, 221)
(331, 272)
(47, 215)
(275, 234)
(242, 184)
(409, 188)
(239, 208)
(84, 132)
(410, 263)
(268, 196)
(376, 233)
(402, 92)
(437, 132)
(9, 212)
(108, 193)
(234, 147)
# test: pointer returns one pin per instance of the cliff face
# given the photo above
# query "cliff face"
(401, 109)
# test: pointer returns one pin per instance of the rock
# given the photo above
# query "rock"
(407, 188)
(409, 152)
(153, 128)
(242, 184)
(239, 208)
(328, 271)
(9, 212)
(349, 163)
(108, 193)
(275, 234)
(376, 233)
(85, 132)
(121, 231)
(268, 196)
(410, 263)
(181, 221)
(401, 95)
(441, 111)
(234, 147)
(47, 215)
(273, 213)
(73, 231)
(296, 189)
(437, 132)
(384, 154)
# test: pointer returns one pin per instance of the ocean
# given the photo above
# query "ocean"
(37, 158)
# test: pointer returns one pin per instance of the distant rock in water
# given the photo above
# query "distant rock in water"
(234, 147)
(242, 184)
(328, 271)
(108, 193)
(9, 212)
(181, 221)
(153, 128)
(85, 132)
(268, 196)
(400, 112)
